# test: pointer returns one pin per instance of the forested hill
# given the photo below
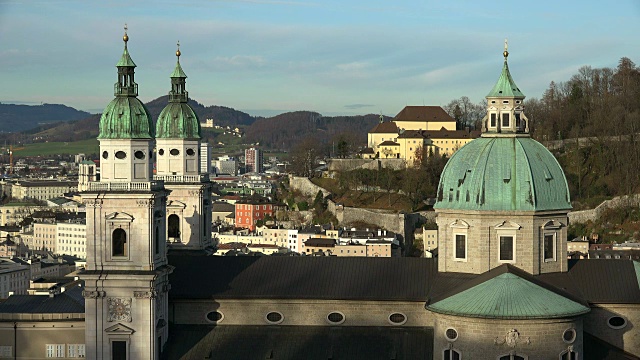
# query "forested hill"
(280, 132)
(15, 118)
(222, 115)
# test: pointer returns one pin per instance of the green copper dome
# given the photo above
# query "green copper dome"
(503, 173)
(126, 117)
(178, 121)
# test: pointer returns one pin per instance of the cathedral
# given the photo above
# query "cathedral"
(500, 288)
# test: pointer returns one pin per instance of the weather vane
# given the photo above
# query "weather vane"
(178, 51)
(506, 46)
(125, 37)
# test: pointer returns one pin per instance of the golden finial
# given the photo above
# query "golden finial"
(506, 45)
(125, 37)
(178, 53)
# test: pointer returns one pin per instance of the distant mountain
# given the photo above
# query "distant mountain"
(274, 133)
(16, 118)
(221, 115)
(281, 131)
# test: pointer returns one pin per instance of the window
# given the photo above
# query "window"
(121, 155)
(451, 354)
(512, 357)
(505, 120)
(335, 318)
(493, 120)
(174, 152)
(215, 316)
(75, 351)
(549, 247)
(139, 155)
(569, 336)
(190, 152)
(569, 355)
(118, 242)
(274, 317)
(617, 322)
(173, 226)
(105, 154)
(506, 248)
(119, 350)
(60, 350)
(460, 247)
(157, 241)
(161, 152)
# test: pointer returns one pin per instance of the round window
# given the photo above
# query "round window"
(569, 336)
(190, 152)
(397, 318)
(121, 155)
(105, 154)
(139, 155)
(335, 318)
(161, 152)
(215, 316)
(451, 334)
(617, 322)
(274, 317)
(174, 152)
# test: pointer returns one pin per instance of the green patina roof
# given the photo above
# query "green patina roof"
(126, 118)
(177, 72)
(125, 60)
(505, 87)
(508, 296)
(503, 173)
(178, 121)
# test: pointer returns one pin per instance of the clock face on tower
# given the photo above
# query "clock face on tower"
(119, 309)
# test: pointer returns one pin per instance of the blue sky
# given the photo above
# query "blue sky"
(334, 57)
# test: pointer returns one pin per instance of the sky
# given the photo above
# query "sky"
(331, 56)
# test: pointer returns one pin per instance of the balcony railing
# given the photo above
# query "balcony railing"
(182, 178)
(125, 186)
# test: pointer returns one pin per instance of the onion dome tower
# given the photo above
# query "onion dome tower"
(127, 274)
(503, 198)
(126, 129)
(178, 164)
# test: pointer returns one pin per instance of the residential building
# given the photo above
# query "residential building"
(249, 212)
(226, 165)
(71, 238)
(253, 160)
(42, 189)
(14, 278)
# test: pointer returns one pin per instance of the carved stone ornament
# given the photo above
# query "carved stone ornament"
(93, 294)
(93, 203)
(145, 203)
(152, 294)
(119, 309)
(512, 338)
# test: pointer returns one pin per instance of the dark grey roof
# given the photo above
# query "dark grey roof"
(70, 301)
(298, 342)
(303, 277)
(220, 206)
(599, 281)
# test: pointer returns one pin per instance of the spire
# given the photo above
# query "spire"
(178, 91)
(505, 87)
(126, 85)
(125, 60)
(505, 108)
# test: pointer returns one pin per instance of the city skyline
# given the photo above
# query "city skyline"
(265, 57)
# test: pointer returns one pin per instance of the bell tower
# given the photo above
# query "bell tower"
(178, 165)
(126, 275)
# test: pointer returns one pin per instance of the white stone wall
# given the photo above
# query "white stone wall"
(628, 337)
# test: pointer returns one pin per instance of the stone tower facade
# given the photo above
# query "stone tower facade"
(126, 275)
(178, 137)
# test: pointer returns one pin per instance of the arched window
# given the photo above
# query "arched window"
(512, 357)
(119, 242)
(568, 355)
(173, 227)
(451, 354)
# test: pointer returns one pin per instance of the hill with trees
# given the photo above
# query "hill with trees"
(15, 118)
